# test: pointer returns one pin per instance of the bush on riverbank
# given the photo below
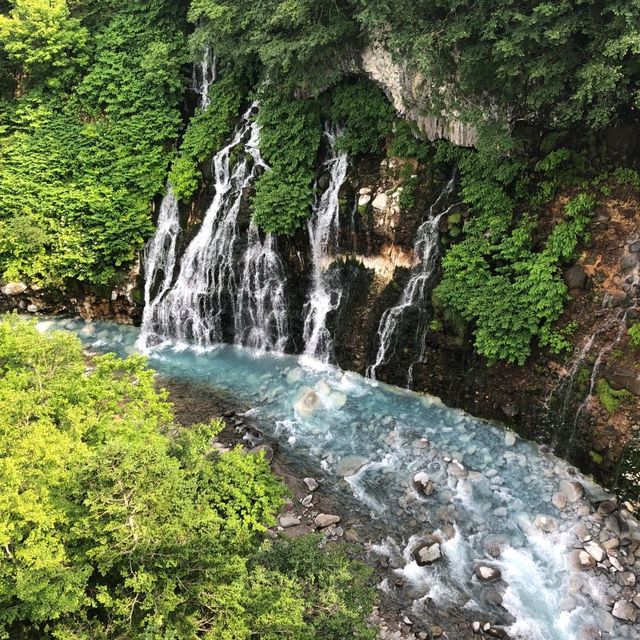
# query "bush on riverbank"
(116, 522)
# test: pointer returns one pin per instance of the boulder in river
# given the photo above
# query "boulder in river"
(422, 482)
(573, 490)
(350, 465)
(307, 403)
(427, 554)
(337, 400)
(487, 573)
(545, 523)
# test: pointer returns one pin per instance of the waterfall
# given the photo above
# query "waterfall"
(204, 75)
(160, 261)
(416, 290)
(324, 297)
(261, 305)
(193, 309)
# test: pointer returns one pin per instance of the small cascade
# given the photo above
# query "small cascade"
(204, 75)
(415, 293)
(560, 415)
(261, 305)
(193, 309)
(324, 296)
(160, 259)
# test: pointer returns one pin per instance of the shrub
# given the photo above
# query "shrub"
(634, 335)
(611, 399)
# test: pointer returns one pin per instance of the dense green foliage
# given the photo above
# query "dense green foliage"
(86, 124)
(115, 522)
(290, 138)
(366, 114)
(611, 398)
(500, 276)
(206, 134)
(563, 62)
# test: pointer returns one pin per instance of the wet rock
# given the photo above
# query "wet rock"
(624, 610)
(307, 500)
(312, 483)
(509, 439)
(288, 520)
(427, 553)
(627, 579)
(324, 520)
(487, 573)
(575, 277)
(307, 403)
(595, 551)
(423, 483)
(607, 507)
(582, 560)
(559, 500)
(14, 288)
(573, 490)
(350, 465)
(545, 523)
(322, 388)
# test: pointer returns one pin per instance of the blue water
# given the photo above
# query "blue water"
(483, 487)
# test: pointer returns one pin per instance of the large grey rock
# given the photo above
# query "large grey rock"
(572, 489)
(288, 520)
(350, 465)
(312, 483)
(427, 554)
(624, 610)
(14, 288)
(487, 573)
(324, 520)
(575, 277)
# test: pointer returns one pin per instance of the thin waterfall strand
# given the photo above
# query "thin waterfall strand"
(415, 292)
(261, 303)
(323, 237)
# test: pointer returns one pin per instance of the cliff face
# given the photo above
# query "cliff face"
(410, 93)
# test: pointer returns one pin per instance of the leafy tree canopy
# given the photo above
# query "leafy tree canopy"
(115, 522)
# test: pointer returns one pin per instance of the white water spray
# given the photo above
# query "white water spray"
(323, 237)
(193, 310)
(416, 290)
(261, 304)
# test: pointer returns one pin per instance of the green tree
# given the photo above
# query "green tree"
(115, 522)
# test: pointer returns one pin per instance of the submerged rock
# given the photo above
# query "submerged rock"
(573, 490)
(350, 465)
(307, 403)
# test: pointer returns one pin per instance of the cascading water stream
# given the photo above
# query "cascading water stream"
(417, 288)
(261, 304)
(324, 297)
(204, 75)
(192, 311)
(160, 254)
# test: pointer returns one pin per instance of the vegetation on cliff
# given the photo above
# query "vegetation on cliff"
(116, 522)
(95, 117)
